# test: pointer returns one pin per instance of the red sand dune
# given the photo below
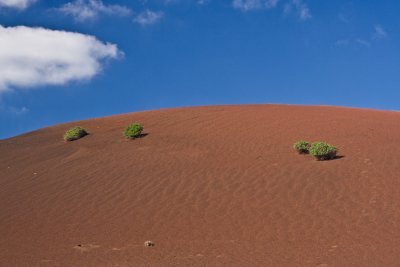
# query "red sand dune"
(210, 186)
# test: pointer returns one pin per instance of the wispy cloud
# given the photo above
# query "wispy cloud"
(342, 42)
(379, 32)
(247, 5)
(363, 42)
(64, 57)
(14, 110)
(17, 4)
(353, 42)
(343, 18)
(83, 10)
(168, 2)
(299, 7)
(346, 12)
(148, 17)
(200, 2)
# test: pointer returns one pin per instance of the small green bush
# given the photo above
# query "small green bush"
(323, 151)
(133, 131)
(302, 147)
(74, 133)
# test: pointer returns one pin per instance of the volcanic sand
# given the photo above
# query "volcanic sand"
(209, 186)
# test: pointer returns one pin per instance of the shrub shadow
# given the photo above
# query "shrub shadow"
(142, 135)
(338, 157)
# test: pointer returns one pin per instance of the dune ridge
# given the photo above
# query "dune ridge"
(211, 186)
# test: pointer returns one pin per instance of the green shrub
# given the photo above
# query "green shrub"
(74, 133)
(323, 151)
(302, 147)
(133, 131)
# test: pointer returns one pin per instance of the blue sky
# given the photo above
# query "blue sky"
(139, 55)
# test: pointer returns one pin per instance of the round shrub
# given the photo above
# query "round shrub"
(74, 133)
(133, 131)
(302, 147)
(323, 151)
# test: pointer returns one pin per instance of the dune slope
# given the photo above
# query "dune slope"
(210, 186)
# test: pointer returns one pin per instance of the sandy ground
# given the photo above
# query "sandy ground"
(211, 186)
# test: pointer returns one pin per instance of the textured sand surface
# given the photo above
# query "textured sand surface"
(210, 186)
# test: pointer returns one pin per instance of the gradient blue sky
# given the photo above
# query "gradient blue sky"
(176, 53)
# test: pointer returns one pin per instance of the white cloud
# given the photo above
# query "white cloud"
(363, 42)
(342, 42)
(16, 110)
(148, 17)
(18, 4)
(13, 110)
(354, 43)
(343, 17)
(83, 10)
(202, 2)
(301, 9)
(379, 32)
(32, 57)
(247, 5)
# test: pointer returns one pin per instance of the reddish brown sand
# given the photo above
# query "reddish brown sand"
(209, 186)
